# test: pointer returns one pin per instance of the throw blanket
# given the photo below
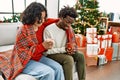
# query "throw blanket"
(12, 63)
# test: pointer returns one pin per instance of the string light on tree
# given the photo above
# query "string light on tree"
(88, 15)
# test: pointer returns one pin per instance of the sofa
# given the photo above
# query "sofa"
(7, 39)
(8, 33)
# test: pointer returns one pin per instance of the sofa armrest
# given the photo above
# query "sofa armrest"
(24, 77)
(6, 48)
(8, 33)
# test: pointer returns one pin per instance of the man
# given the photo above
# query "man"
(64, 48)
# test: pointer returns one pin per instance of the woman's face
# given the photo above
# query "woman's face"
(43, 16)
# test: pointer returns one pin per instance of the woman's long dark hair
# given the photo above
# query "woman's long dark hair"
(32, 13)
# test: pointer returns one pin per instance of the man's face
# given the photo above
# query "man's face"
(67, 22)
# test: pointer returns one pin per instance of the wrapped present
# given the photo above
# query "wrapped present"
(102, 43)
(92, 49)
(91, 30)
(115, 37)
(102, 59)
(108, 53)
(92, 60)
(108, 40)
(101, 51)
(117, 30)
(91, 35)
(91, 40)
(116, 51)
(80, 40)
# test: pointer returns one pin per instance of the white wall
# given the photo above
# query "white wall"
(52, 7)
(71, 3)
(109, 6)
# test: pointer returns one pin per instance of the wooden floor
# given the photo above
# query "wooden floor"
(109, 71)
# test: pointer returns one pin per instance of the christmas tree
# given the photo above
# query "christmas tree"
(88, 16)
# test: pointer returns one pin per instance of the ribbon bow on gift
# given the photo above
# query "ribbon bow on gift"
(100, 38)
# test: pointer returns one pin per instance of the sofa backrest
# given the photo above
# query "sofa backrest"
(8, 33)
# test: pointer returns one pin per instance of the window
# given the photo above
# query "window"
(10, 7)
(5, 10)
(19, 6)
(29, 1)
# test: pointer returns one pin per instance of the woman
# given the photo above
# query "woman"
(27, 53)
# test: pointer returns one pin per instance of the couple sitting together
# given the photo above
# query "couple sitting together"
(44, 48)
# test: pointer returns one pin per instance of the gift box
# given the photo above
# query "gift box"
(91, 40)
(80, 40)
(101, 60)
(91, 35)
(117, 30)
(116, 51)
(92, 49)
(109, 40)
(101, 51)
(115, 38)
(102, 43)
(92, 60)
(108, 53)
